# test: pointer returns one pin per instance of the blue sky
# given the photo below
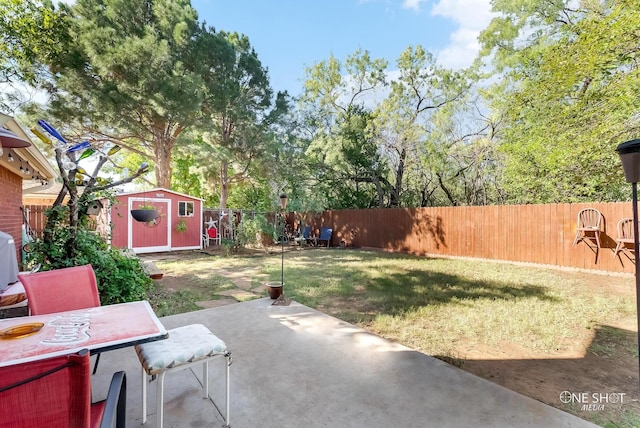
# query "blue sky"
(290, 35)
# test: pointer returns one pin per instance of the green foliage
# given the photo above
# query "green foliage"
(28, 31)
(183, 178)
(568, 96)
(157, 80)
(343, 154)
(403, 147)
(256, 230)
(360, 175)
(181, 226)
(144, 70)
(242, 138)
(120, 278)
(229, 246)
(145, 206)
(251, 195)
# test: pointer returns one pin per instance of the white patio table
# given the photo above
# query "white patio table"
(98, 329)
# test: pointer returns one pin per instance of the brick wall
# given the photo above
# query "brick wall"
(10, 202)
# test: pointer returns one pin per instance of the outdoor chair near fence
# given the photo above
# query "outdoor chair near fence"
(625, 235)
(211, 235)
(589, 222)
(305, 237)
(325, 235)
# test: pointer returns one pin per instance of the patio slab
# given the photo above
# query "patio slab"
(294, 366)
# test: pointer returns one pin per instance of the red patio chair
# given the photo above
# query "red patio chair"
(56, 392)
(61, 290)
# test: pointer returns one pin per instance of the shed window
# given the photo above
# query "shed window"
(185, 209)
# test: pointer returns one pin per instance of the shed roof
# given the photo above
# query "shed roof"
(158, 189)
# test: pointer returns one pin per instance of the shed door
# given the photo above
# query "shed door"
(154, 236)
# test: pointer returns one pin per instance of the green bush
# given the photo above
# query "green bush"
(228, 245)
(120, 278)
(256, 231)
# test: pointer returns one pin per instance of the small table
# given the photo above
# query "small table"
(97, 329)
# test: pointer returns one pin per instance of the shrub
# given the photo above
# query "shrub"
(228, 245)
(256, 231)
(120, 278)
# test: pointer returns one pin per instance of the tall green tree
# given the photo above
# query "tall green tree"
(405, 117)
(29, 33)
(568, 95)
(460, 164)
(405, 146)
(342, 151)
(240, 117)
(131, 72)
(184, 178)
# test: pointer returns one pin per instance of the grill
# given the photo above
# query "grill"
(8, 261)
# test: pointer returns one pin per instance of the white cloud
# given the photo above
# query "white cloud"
(412, 4)
(471, 16)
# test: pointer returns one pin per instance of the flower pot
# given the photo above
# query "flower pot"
(144, 216)
(275, 289)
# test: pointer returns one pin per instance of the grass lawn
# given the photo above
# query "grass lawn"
(537, 331)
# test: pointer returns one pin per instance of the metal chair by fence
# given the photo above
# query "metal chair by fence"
(325, 235)
(304, 237)
(589, 221)
(625, 235)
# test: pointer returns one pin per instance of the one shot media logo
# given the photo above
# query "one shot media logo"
(592, 401)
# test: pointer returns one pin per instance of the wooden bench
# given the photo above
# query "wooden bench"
(149, 267)
(152, 270)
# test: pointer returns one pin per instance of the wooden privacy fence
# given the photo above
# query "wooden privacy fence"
(36, 218)
(540, 234)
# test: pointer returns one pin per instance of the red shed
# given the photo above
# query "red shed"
(178, 225)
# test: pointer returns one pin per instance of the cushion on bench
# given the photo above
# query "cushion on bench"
(185, 345)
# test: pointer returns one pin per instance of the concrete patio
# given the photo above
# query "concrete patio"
(296, 367)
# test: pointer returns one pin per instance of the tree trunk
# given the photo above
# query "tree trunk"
(446, 191)
(379, 192)
(162, 151)
(165, 135)
(394, 197)
(224, 183)
(72, 246)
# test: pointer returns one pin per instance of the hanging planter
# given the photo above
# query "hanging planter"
(144, 215)
(181, 226)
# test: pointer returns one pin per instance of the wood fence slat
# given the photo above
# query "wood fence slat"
(541, 234)
(524, 233)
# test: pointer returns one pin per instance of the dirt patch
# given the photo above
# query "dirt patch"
(546, 377)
